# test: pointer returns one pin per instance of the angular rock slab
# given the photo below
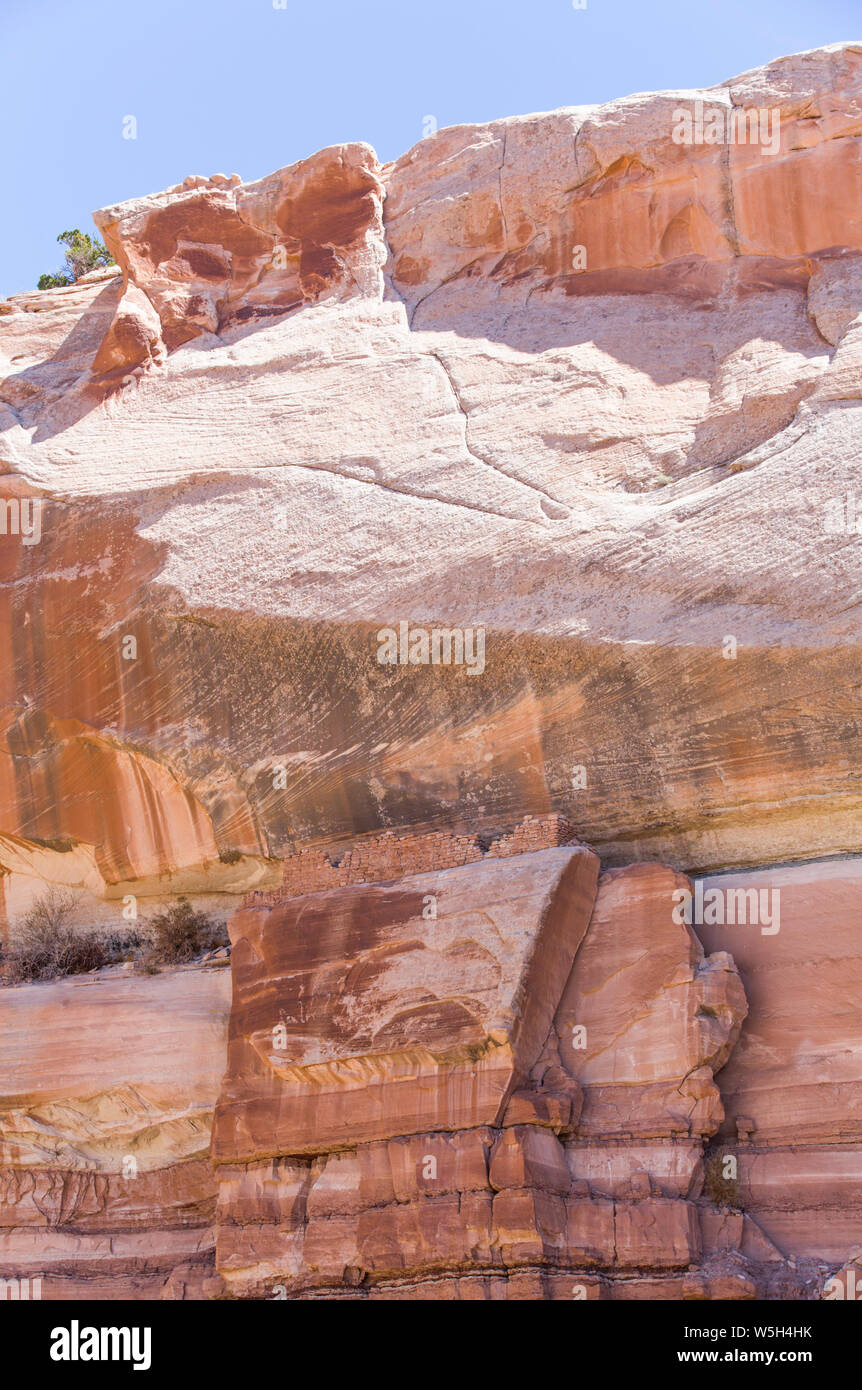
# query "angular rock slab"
(792, 1089)
(95, 1071)
(646, 1017)
(358, 1015)
(96, 1067)
(796, 1077)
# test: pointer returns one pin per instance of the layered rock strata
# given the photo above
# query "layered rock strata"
(595, 393)
(612, 468)
(793, 1086)
(428, 1093)
(107, 1089)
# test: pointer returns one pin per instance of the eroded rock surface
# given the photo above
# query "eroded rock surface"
(793, 1085)
(596, 393)
(612, 468)
(646, 1019)
(107, 1089)
(405, 1008)
(482, 1151)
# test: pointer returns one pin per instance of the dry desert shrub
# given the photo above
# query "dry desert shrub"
(720, 1190)
(181, 934)
(46, 944)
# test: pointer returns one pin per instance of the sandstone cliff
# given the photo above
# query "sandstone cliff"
(587, 389)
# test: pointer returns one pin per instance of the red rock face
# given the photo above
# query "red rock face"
(221, 253)
(648, 1073)
(357, 1011)
(515, 200)
(373, 1153)
(107, 1085)
(603, 1170)
(792, 1085)
(472, 1051)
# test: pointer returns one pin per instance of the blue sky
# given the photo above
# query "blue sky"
(240, 86)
